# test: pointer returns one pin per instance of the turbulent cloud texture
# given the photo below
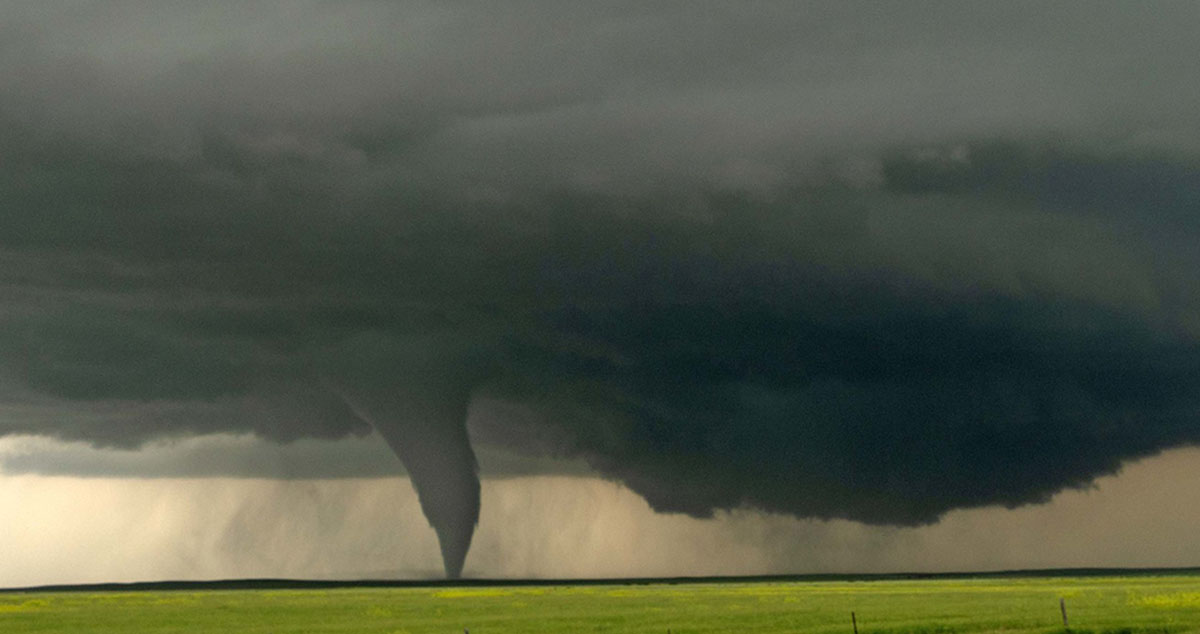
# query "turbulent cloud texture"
(848, 261)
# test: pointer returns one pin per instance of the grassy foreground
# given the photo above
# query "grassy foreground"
(1094, 604)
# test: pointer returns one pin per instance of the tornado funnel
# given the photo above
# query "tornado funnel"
(421, 411)
(430, 437)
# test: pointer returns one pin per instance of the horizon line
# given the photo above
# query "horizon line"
(300, 584)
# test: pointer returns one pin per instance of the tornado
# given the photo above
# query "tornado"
(420, 410)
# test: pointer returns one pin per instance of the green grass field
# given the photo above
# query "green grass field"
(1094, 604)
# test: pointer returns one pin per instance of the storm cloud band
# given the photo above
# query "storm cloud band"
(844, 261)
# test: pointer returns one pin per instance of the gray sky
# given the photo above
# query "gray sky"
(840, 261)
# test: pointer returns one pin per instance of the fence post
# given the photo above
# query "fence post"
(1062, 605)
(854, 622)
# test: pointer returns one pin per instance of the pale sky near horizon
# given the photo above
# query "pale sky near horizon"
(104, 529)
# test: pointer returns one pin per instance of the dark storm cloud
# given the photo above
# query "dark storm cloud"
(853, 261)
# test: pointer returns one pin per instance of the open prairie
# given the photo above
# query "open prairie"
(1167, 603)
